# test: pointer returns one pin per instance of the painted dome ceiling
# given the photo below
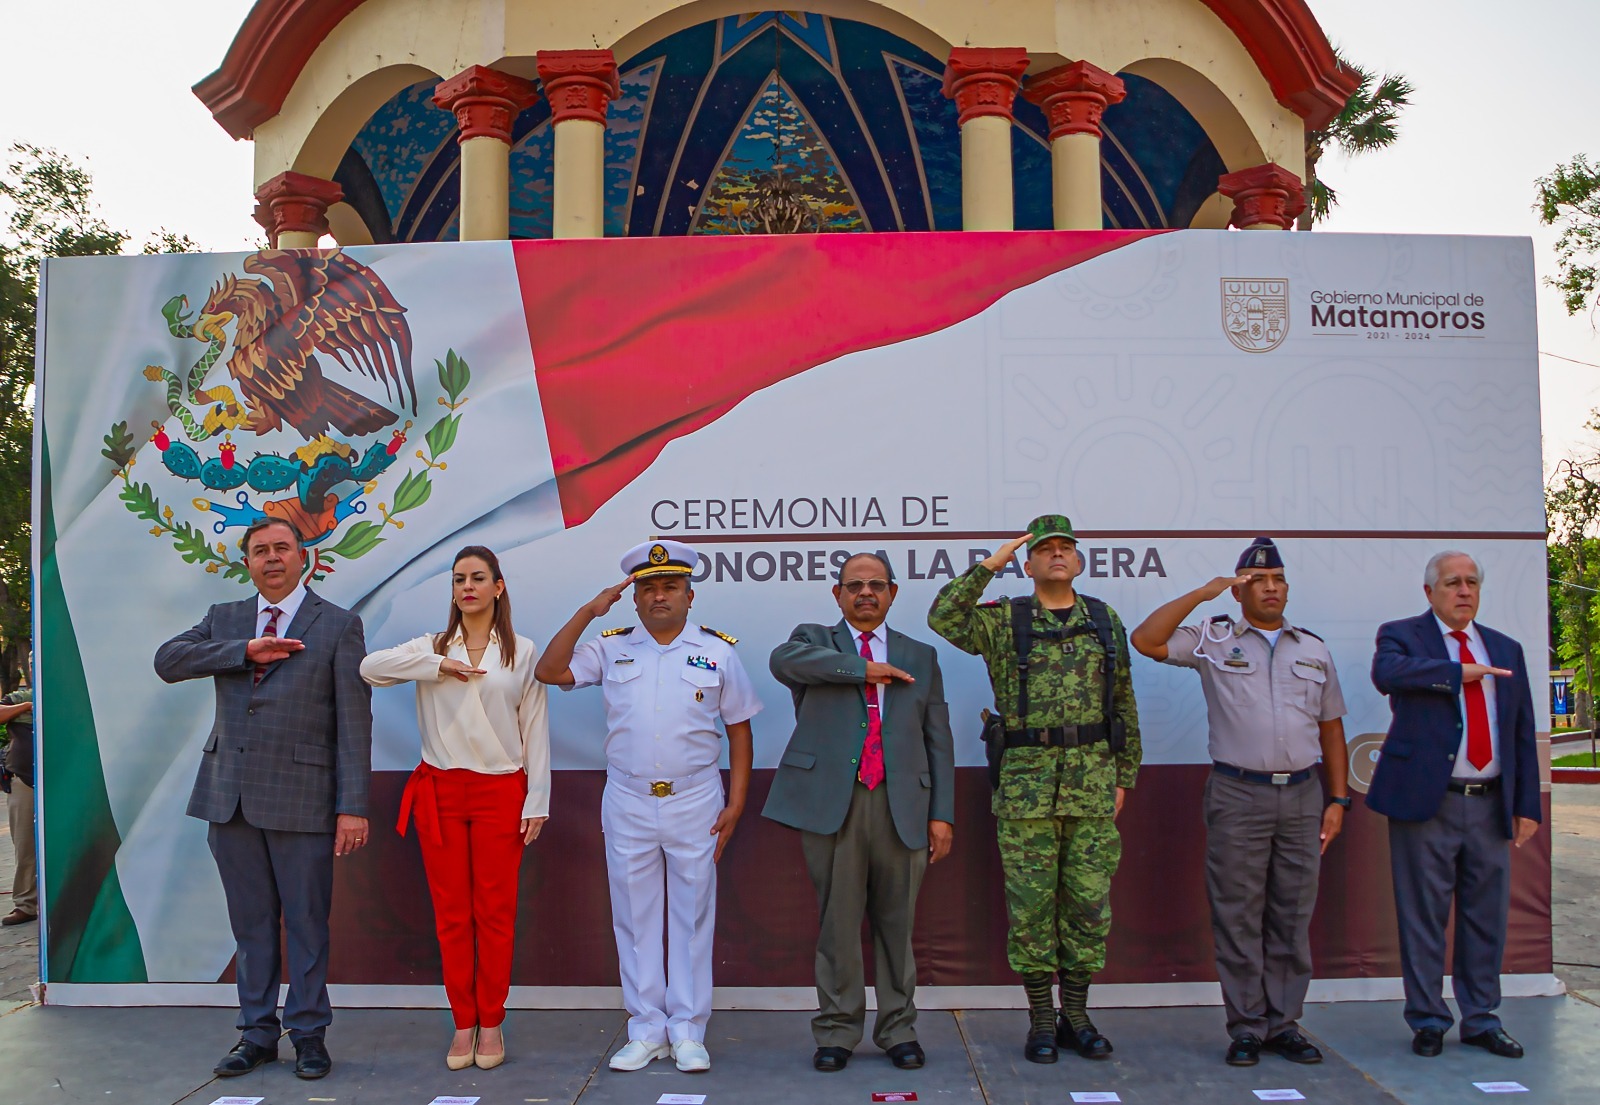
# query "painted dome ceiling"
(832, 124)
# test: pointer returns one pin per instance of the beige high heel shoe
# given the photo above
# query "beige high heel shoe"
(462, 1062)
(489, 1062)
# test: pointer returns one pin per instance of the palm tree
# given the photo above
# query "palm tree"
(1370, 121)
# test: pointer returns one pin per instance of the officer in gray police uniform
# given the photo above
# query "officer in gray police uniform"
(667, 684)
(1274, 707)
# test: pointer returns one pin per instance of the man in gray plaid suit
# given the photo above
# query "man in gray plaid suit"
(283, 782)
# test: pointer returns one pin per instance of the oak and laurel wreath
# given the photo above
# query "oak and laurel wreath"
(414, 490)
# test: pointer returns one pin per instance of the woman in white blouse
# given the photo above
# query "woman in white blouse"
(481, 792)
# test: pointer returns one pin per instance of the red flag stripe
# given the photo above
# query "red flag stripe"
(640, 341)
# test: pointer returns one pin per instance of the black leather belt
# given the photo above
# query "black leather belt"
(1475, 789)
(1271, 778)
(1056, 736)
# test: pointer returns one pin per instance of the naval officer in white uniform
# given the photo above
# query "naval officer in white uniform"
(667, 683)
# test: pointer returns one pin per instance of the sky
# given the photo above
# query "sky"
(1506, 90)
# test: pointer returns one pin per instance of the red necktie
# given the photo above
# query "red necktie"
(871, 772)
(270, 631)
(1479, 749)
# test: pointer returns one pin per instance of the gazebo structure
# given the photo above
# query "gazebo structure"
(424, 120)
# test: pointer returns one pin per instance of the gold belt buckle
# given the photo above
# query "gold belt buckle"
(661, 788)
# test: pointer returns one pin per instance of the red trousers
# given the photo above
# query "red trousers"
(469, 826)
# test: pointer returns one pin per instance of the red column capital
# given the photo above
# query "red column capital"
(1074, 96)
(1264, 195)
(984, 80)
(485, 101)
(295, 202)
(578, 83)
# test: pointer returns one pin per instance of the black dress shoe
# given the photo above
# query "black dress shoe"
(907, 1056)
(830, 1058)
(1428, 1042)
(1244, 1051)
(1294, 1047)
(1040, 1047)
(1498, 1041)
(311, 1058)
(244, 1058)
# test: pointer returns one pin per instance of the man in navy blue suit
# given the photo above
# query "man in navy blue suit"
(1458, 778)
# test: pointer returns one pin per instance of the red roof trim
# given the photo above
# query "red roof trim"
(278, 37)
(273, 45)
(1293, 53)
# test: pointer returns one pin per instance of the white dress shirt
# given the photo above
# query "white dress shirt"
(1480, 654)
(494, 723)
(663, 701)
(288, 607)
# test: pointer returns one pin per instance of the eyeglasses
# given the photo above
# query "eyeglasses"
(856, 586)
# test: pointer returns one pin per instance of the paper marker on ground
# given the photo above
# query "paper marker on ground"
(1280, 1095)
(1084, 1097)
(1501, 1087)
(681, 1099)
(896, 1095)
(238, 1101)
(454, 1101)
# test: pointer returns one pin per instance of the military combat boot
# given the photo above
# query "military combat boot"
(1074, 1029)
(1041, 1045)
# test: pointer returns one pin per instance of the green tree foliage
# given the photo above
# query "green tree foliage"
(46, 210)
(1572, 504)
(1370, 121)
(1570, 198)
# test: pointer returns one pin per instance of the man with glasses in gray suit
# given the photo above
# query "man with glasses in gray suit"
(283, 782)
(868, 778)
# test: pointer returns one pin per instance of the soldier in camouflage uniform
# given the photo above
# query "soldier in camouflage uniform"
(1057, 800)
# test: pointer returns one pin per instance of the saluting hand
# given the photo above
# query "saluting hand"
(461, 670)
(1223, 583)
(886, 673)
(998, 561)
(1472, 673)
(601, 604)
(269, 650)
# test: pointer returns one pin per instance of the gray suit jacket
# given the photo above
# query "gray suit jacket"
(296, 749)
(823, 668)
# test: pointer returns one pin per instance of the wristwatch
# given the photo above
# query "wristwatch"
(1342, 802)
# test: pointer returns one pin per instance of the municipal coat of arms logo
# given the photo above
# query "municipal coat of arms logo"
(308, 328)
(1255, 313)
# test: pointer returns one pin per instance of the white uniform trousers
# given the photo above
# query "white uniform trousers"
(655, 845)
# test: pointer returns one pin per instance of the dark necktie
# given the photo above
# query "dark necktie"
(871, 772)
(270, 631)
(1479, 749)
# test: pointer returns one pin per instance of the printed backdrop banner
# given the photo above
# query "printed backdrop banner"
(778, 403)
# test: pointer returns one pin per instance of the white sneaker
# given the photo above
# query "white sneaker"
(691, 1055)
(638, 1054)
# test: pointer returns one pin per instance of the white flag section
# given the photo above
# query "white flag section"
(1366, 401)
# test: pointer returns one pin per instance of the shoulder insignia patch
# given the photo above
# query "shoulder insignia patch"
(1308, 633)
(616, 631)
(719, 633)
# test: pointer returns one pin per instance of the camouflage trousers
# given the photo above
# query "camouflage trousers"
(1058, 891)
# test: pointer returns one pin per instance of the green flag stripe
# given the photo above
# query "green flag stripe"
(92, 937)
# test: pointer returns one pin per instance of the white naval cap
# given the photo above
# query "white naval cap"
(660, 558)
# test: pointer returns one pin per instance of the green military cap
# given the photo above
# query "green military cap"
(1050, 525)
